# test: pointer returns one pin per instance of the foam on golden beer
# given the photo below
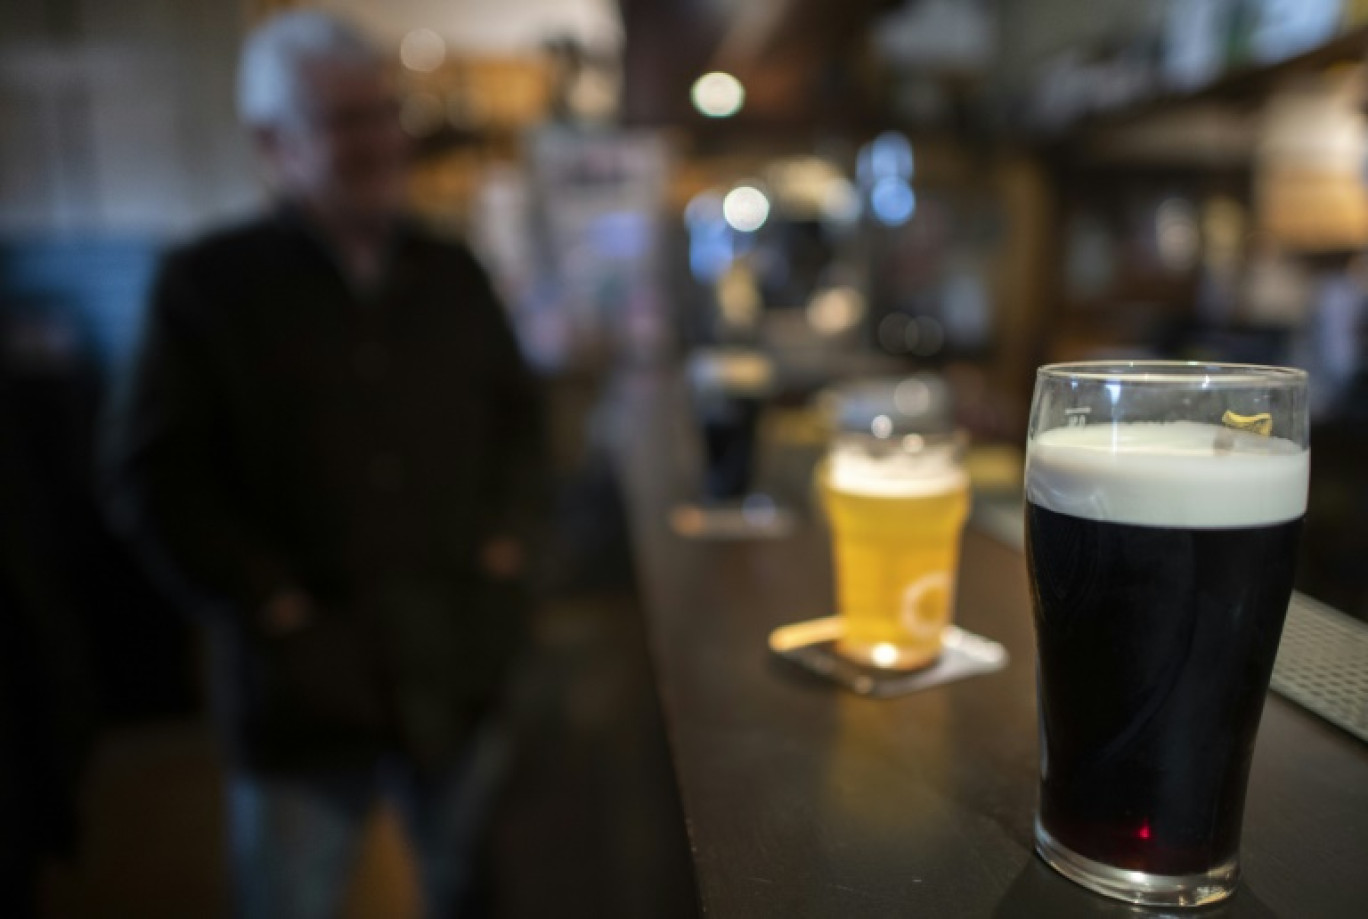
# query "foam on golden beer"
(1170, 474)
(896, 476)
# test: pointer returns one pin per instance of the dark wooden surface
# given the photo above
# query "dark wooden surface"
(803, 800)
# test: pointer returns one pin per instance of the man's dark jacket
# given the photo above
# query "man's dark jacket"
(283, 430)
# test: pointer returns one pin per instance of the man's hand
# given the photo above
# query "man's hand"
(502, 558)
(287, 612)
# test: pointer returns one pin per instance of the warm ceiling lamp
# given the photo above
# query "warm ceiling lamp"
(422, 50)
(718, 94)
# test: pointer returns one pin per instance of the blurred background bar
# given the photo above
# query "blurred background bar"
(850, 188)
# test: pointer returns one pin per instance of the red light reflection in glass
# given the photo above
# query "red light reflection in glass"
(1144, 831)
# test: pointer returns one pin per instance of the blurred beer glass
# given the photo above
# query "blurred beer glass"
(729, 386)
(1164, 504)
(897, 495)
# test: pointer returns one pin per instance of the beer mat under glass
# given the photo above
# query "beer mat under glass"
(812, 646)
(754, 517)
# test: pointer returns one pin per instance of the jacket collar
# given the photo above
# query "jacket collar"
(294, 219)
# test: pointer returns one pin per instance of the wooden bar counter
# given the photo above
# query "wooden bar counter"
(804, 800)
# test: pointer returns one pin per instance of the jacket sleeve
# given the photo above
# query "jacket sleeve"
(168, 469)
(518, 486)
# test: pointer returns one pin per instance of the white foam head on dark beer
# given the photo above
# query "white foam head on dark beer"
(1175, 474)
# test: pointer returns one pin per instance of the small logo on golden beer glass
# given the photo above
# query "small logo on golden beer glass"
(1261, 424)
(926, 607)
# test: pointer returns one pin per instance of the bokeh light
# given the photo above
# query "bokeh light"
(718, 94)
(746, 208)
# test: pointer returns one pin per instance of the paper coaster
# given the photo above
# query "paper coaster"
(812, 646)
(754, 517)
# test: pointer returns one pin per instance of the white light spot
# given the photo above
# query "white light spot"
(884, 654)
(422, 50)
(745, 208)
(718, 95)
(881, 427)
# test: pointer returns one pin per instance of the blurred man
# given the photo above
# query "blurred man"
(329, 446)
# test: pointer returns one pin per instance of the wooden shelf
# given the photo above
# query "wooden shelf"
(1240, 84)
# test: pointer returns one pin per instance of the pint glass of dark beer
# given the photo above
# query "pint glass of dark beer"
(729, 386)
(1164, 503)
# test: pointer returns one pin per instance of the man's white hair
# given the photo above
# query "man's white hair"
(269, 91)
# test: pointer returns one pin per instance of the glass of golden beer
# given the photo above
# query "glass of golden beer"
(896, 495)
